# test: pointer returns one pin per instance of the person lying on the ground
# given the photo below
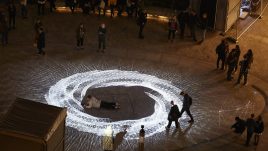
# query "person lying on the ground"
(239, 125)
(92, 102)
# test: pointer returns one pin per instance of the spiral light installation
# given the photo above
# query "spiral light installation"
(69, 92)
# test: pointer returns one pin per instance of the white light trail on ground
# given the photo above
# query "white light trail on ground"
(69, 92)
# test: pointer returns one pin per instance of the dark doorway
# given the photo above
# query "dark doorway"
(209, 7)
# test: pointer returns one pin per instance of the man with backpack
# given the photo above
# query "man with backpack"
(173, 115)
(187, 102)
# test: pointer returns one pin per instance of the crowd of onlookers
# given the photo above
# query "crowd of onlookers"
(187, 19)
(230, 61)
(134, 8)
(252, 125)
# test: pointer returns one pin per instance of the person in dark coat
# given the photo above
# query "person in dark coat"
(41, 41)
(251, 124)
(102, 37)
(172, 28)
(80, 35)
(245, 65)
(258, 130)
(187, 102)
(221, 52)
(192, 21)
(52, 5)
(204, 26)
(41, 7)
(173, 115)
(24, 10)
(3, 29)
(12, 15)
(142, 19)
(231, 62)
(182, 18)
(239, 126)
(237, 55)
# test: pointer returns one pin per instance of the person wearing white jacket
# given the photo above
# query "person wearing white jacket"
(92, 102)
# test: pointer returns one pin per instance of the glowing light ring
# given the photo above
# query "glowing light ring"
(68, 92)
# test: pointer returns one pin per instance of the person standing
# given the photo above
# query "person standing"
(24, 10)
(231, 62)
(3, 29)
(204, 26)
(245, 65)
(187, 102)
(251, 124)
(108, 139)
(172, 28)
(102, 7)
(52, 5)
(141, 138)
(258, 130)
(142, 19)
(37, 25)
(237, 55)
(80, 35)
(173, 115)
(12, 15)
(102, 37)
(41, 41)
(182, 18)
(192, 21)
(41, 7)
(112, 4)
(221, 52)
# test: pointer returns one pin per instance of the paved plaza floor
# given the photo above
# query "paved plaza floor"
(184, 64)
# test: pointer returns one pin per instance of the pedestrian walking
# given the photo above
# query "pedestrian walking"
(41, 41)
(251, 124)
(172, 28)
(142, 20)
(12, 15)
(187, 102)
(173, 115)
(221, 52)
(258, 130)
(80, 35)
(24, 10)
(102, 37)
(245, 65)
(41, 7)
